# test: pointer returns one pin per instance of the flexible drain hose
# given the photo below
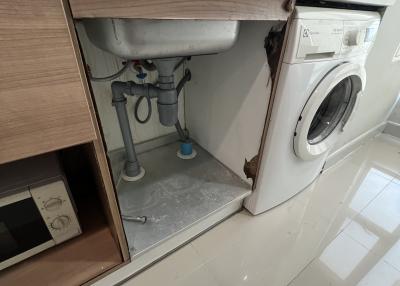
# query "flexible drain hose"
(179, 87)
(137, 104)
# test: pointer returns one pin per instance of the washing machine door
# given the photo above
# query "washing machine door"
(327, 111)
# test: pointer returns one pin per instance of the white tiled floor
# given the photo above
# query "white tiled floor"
(343, 230)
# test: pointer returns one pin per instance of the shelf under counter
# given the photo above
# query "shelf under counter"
(73, 262)
(87, 256)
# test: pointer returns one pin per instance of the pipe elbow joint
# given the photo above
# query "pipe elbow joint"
(118, 88)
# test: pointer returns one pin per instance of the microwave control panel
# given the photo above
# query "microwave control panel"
(57, 210)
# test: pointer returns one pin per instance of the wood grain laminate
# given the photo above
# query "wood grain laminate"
(182, 9)
(42, 102)
(99, 158)
(72, 263)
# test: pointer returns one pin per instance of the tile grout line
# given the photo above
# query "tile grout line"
(302, 270)
(391, 265)
(342, 230)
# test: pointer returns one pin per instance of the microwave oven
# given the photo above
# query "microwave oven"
(36, 208)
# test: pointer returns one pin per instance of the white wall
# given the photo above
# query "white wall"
(383, 78)
(102, 63)
(395, 115)
(227, 99)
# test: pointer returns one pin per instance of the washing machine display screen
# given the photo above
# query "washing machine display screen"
(331, 111)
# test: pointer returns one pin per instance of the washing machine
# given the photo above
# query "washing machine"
(366, 2)
(320, 83)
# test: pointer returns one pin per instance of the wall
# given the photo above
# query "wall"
(383, 79)
(226, 101)
(393, 124)
(103, 63)
(395, 115)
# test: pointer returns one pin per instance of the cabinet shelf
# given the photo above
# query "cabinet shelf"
(74, 262)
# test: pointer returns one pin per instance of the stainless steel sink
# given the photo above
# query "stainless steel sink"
(149, 39)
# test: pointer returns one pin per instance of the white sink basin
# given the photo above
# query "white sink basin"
(149, 39)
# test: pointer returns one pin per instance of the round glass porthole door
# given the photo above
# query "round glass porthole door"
(327, 111)
(331, 111)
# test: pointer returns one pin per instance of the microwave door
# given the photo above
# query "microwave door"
(23, 232)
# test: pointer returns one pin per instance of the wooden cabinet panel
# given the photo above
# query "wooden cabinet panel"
(43, 106)
(99, 159)
(183, 9)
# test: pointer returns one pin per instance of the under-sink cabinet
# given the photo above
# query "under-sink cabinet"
(51, 106)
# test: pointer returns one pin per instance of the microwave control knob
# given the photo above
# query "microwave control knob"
(53, 204)
(60, 222)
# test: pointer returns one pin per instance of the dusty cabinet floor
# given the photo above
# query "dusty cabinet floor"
(174, 194)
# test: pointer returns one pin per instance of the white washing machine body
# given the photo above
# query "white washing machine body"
(320, 84)
(366, 2)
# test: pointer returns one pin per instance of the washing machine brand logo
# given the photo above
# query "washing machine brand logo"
(307, 32)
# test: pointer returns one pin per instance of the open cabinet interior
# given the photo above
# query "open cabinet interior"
(85, 256)
(222, 108)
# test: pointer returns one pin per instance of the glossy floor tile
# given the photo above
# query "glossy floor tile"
(342, 230)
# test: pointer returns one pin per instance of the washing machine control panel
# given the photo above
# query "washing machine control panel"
(324, 39)
(358, 36)
(319, 38)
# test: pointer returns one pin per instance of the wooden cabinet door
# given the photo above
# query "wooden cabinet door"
(43, 106)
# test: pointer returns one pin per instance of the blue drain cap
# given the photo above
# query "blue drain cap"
(186, 148)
